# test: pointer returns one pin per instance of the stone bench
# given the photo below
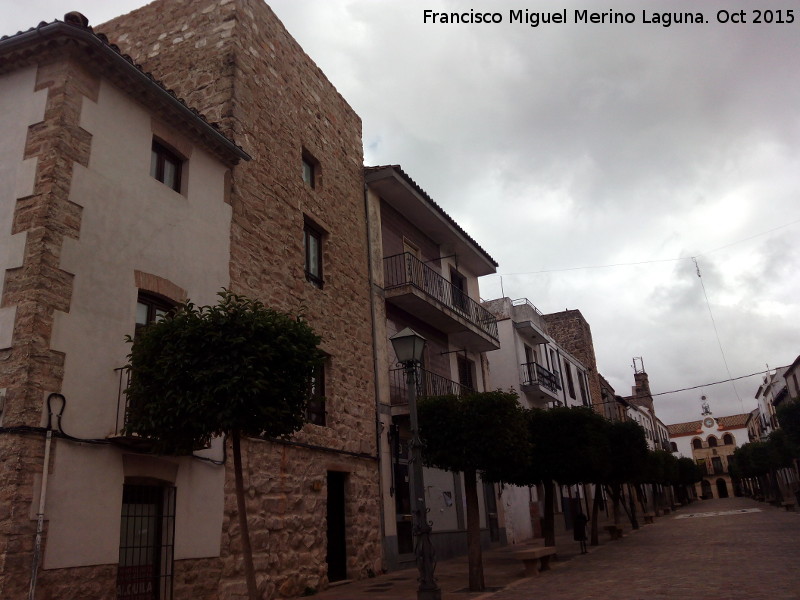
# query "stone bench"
(789, 506)
(536, 559)
(648, 518)
(614, 531)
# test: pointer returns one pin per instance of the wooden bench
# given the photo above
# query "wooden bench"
(789, 506)
(614, 531)
(666, 510)
(648, 518)
(536, 559)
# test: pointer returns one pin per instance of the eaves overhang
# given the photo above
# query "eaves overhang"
(58, 38)
(403, 194)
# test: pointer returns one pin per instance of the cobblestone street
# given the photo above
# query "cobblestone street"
(727, 549)
(707, 550)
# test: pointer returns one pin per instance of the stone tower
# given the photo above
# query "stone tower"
(572, 331)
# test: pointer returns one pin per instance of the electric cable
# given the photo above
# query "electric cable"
(647, 262)
(716, 333)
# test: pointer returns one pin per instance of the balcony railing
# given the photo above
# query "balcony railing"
(535, 374)
(428, 384)
(122, 399)
(407, 269)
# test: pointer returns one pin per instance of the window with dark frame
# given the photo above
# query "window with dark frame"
(570, 383)
(308, 173)
(312, 245)
(310, 170)
(465, 370)
(315, 409)
(147, 541)
(165, 166)
(582, 385)
(150, 308)
(460, 296)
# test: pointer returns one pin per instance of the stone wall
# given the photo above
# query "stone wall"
(571, 331)
(235, 62)
(29, 369)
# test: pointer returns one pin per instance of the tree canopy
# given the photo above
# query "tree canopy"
(569, 445)
(203, 371)
(482, 431)
(789, 418)
(235, 368)
(628, 447)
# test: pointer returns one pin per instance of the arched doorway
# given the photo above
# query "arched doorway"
(706, 490)
(722, 488)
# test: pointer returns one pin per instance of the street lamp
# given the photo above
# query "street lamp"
(408, 346)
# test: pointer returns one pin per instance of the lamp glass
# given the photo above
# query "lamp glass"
(408, 345)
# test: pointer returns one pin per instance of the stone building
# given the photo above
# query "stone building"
(572, 332)
(614, 407)
(641, 409)
(425, 271)
(96, 244)
(531, 361)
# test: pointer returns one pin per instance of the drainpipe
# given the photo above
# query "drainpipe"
(375, 367)
(37, 546)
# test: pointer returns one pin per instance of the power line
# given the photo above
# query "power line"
(647, 262)
(629, 264)
(716, 333)
(694, 387)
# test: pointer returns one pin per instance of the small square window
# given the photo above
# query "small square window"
(150, 308)
(165, 166)
(312, 244)
(315, 410)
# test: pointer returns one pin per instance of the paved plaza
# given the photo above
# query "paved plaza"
(728, 549)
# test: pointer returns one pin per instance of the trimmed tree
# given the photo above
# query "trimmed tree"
(236, 368)
(789, 418)
(688, 474)
(570, 446)
(628, 447)
(483, 432)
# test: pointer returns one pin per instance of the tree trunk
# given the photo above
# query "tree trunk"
(548, 526)
(247, 552)
(777, 493)
(641, 494)
(598, 493)
(632, 513)
(657, 499)
(615, 494)
(475, 555)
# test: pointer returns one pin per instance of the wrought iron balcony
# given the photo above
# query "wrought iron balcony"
(535, 374)
(418, 289)
(120, 437)
(122, 399)
(428, 384)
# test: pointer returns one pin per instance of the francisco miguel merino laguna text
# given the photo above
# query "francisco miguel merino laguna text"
(611, 17)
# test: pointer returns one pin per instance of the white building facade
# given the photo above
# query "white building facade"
(544, 375)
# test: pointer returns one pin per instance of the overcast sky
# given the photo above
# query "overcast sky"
(568, 147)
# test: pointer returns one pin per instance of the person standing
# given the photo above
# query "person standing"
(579, 530)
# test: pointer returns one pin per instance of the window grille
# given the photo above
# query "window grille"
(147, 539)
